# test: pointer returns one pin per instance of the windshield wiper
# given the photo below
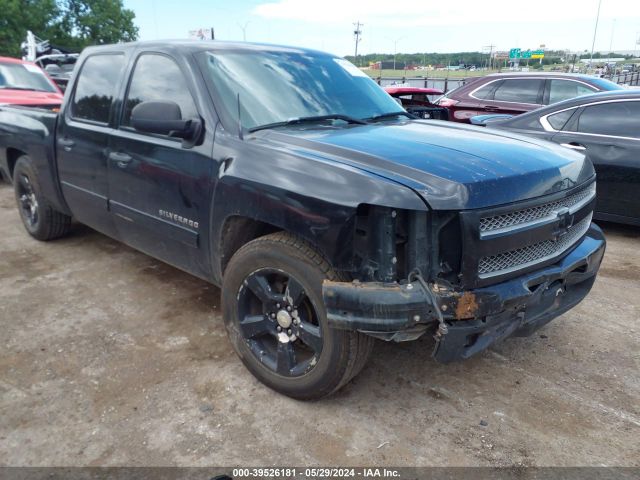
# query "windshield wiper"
(317, 118)
(382, 116)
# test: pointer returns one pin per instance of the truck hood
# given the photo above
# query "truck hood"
(29, 98)
(451, 166)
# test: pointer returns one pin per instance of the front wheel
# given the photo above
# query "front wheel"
(276, 320)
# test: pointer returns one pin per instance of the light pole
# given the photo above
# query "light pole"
(244, 30)
(490, 47)
(595, 30)
(357, 33)
(613, 29)
(395, 48)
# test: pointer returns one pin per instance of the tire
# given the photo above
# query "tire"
(312, 361)
(40, 219)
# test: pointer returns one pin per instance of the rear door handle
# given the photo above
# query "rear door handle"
(66, 144)
(121, 159)
(491, 108)
(574, 146)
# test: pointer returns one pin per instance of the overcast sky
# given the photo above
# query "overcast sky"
(412, 25)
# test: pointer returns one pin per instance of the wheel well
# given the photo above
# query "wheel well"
(238, 231)
(13, 154)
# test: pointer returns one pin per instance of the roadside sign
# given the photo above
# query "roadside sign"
(201, 34)
(518, 53)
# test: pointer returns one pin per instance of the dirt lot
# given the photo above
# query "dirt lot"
(109, 357)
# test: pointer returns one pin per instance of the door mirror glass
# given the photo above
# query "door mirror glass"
(163, 118)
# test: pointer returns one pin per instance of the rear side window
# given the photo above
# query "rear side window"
(621, 119)
(565, 89)
(527, 122)
(485, 93)
(518, 90)
(157, 77)
(559, 120)
(96, 87)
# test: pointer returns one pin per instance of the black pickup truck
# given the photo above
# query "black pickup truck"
(328, 215)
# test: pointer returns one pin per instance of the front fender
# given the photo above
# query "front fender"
(314, 198)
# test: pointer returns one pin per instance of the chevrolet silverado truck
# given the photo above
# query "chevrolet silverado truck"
(328, 215)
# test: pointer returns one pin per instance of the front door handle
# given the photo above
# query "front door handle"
(574, 146)
(121, 159)
(66, 144)
(491, 108)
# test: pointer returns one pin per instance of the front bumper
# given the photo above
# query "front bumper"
(475, 318)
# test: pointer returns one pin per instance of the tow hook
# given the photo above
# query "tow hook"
(443, 329)
(557, 288)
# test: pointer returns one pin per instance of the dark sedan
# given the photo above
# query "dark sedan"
(606, 128)
(516, 93)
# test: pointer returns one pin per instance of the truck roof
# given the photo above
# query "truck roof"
(200, 45)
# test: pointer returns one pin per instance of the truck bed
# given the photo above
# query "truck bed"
(31, 131)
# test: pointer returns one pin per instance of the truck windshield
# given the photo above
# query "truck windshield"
(24, 76)
(280, 86)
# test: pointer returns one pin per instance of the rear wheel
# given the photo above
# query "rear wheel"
(40, 219)
(276, 320)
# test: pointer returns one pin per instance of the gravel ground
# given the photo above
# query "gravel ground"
(109, 357)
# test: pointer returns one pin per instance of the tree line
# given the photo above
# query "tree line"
(70, 24)
(468, 58)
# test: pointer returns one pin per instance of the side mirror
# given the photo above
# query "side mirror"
(164, 118)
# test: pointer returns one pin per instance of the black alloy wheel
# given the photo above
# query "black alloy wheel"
(279, 323)
(27, 200)
(276, 320)
(39, 217)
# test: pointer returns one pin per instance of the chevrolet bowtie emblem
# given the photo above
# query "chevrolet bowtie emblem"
(565, 222)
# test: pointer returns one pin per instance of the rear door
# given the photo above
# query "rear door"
(83, 138)
(609, 134)
(160, 189)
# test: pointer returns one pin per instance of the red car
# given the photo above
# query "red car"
(516, 93)
(415, 100)
(25, 83)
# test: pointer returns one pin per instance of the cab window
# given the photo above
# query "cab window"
(96, 86)
(158, 77)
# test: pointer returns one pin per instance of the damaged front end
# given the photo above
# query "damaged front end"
(445, 292)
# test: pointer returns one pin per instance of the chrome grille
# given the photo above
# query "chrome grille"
(532, 214)
(530, 255)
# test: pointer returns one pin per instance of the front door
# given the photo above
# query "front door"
(160, 190)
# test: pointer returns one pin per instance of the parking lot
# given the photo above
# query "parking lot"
(109, 357)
